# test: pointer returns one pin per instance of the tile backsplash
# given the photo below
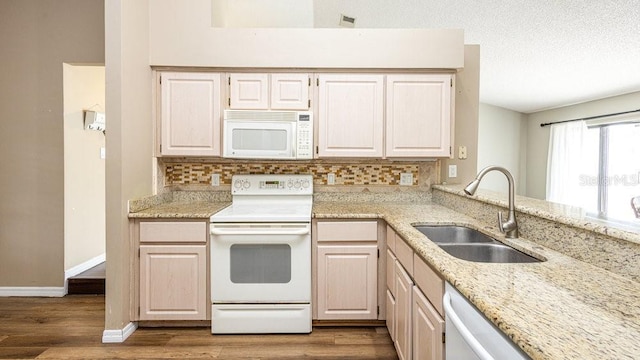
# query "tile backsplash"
(196, 174)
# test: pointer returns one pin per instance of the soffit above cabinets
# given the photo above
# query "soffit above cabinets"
(309, 48)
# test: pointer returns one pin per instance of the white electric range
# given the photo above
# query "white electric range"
(261, 256)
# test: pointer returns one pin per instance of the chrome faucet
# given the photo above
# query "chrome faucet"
(509, 227)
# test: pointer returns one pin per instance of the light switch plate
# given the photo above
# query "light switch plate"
(406, 179)
(453, 171)
(462, 152)
(215, 179)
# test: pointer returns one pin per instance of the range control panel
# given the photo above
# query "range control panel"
(272, 185)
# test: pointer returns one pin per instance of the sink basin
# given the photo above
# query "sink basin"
(487, 253)
(472, 245)
(451, 234)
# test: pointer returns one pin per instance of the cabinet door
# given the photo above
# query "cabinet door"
(249, 91)
(347, 281)
(190, 114)
(418, 115)
(350, 115)
(290, 91)
(391, 320)
(428, 329)
(173, 282)
(404, 287)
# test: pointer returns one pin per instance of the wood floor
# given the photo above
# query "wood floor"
(71, 328)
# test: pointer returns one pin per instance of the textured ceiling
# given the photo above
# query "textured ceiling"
(535, 55)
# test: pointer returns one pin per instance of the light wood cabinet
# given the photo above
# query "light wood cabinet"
(404, 288)
(350, 115)
(418, 115)
(190, 113)
(173, 282)
(264, 91)
(414, 303)
(172, 270)
(347, 282)
(427, 329)
(346, 270)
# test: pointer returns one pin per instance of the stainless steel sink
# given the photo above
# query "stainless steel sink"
(451, 234)
(487, 253)
(472, 245)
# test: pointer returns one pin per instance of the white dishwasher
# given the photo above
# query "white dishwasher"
(470, 336)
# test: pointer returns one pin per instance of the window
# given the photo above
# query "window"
(605, 161)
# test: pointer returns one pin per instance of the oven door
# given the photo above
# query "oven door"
(260, 263)
(259, 139)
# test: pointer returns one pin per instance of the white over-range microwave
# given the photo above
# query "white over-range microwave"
(253, 134)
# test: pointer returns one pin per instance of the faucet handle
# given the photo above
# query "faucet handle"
(500, 224)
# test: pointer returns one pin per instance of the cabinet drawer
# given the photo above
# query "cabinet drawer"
(429, 282)
(348, 231)
(404, 253)
(173, 231)
(391, 238)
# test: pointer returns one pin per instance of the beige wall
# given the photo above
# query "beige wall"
(36, 37)
(129, 141)
(538, 137)
(502, 141)
(84, 217)
(466, 113)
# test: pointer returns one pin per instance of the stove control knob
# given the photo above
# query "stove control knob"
(297, 184)
(246, 184)
(290, 183)
(305, 184)
(237, 184)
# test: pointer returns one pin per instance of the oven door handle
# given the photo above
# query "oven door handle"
(266, 230)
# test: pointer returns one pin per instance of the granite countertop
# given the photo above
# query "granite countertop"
(181, 209)
(561, 308)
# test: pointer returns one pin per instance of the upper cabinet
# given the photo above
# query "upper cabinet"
(350, 115)
(275, 91)
(418, 115)
(406, 116)
(190, 113)
(357, 115)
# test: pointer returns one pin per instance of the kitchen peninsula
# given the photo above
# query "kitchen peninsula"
(561, 308)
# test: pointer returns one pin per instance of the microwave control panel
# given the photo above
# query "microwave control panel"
(305, 136)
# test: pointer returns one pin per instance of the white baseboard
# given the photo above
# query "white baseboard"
(84, 266)
(80, 268)
(119, 336)
(26, 291)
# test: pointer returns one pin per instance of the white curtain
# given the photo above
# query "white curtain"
(568, 167)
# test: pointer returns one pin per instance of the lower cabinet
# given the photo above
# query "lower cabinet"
(173, 282)
(428, 328)
(172, 271)
(415, 324)
(345, 255)
(404, 287)
(347, 282)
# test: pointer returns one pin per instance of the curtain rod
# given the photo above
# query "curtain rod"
(591, 117)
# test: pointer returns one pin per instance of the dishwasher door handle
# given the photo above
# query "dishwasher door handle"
(468, 337)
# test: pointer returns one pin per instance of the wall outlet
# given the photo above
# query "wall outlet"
(406, 179)
(453, 171)
(215, 179)
(331, 179)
